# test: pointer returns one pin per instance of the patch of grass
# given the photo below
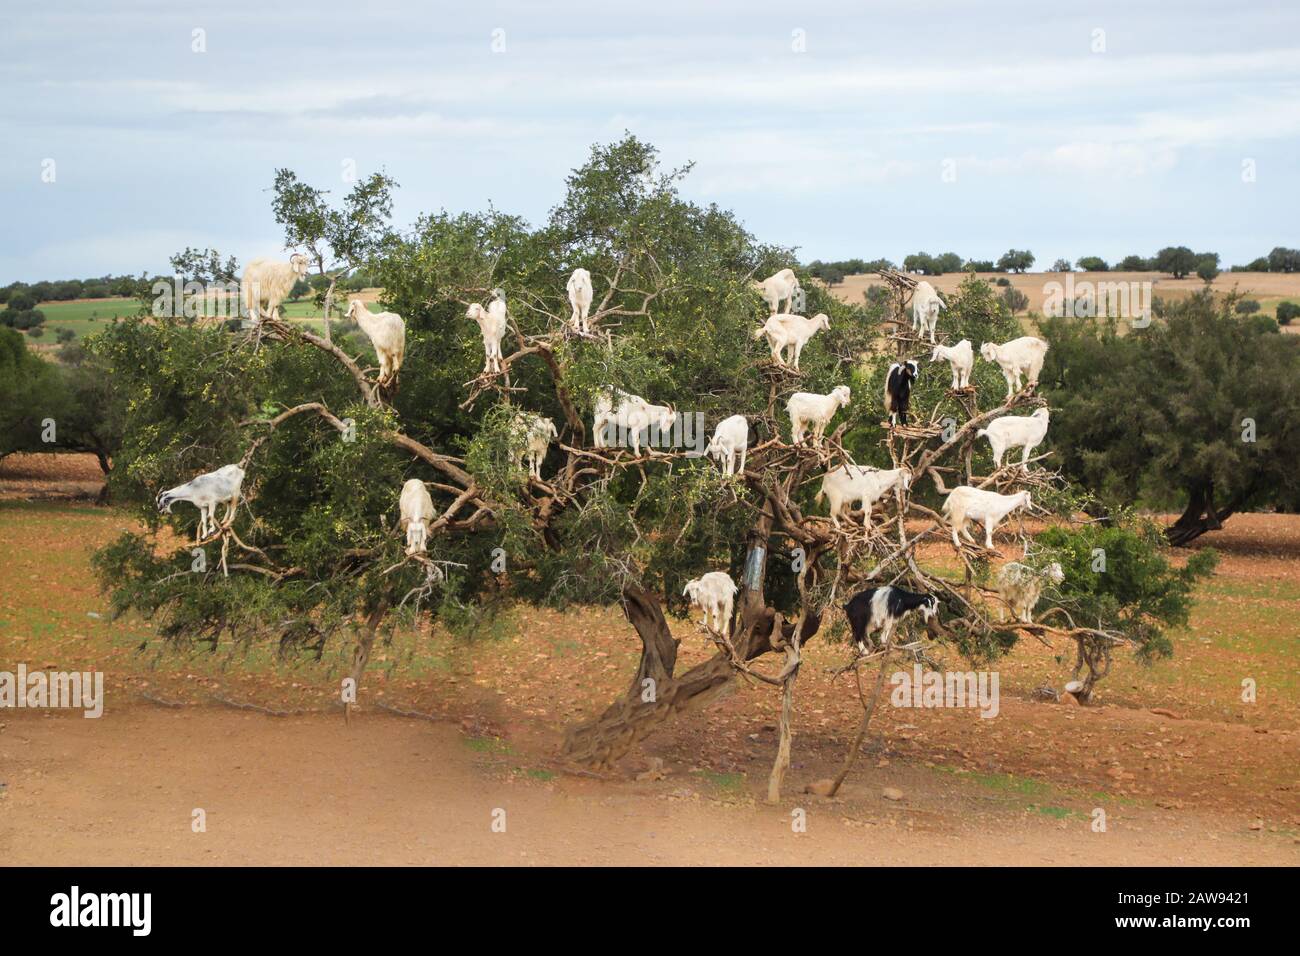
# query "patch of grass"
(487, 745)
(732, 784)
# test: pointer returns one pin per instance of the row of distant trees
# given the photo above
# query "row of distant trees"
(1178, 261)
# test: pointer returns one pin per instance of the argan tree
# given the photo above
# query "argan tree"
(315, 550)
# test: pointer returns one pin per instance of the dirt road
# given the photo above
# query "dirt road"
(308, 790)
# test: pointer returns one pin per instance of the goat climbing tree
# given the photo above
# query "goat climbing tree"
(314, 552)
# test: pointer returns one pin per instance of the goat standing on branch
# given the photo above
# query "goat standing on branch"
(387, 333)
(790, 332)
(731, 436)
(492, 323)
(1022, 356)
(778, 287)
(535, 434)
(965, 503)
(925, 309)
(268, 282)
(631, 416)
(1016, 431)
(206, 492)
(847, 484)
(1021, 586)
(417, 513)
(898, 390)
(881, 609)
(961, 358)
(809, 408)
(714, 593)
(580, 296)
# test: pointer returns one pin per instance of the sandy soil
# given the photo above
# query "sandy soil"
(50, 476)
(309, 790)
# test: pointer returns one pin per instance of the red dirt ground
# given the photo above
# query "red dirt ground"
(1216, 783)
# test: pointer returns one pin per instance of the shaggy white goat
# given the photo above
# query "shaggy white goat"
(580, 296)
(731, 436)
(206, 492)
(925, 309)
(387, 333)
(714, 593)
(1016, 431)
(790, 331)
(492, 323)
(535, 435)
(809, 408)
(1021, 586)
(960, 357)
(847, 484)
(632, 416)
(268, 282)
(780, 286)
(417, 512)
(965, 503)
(1019, 356)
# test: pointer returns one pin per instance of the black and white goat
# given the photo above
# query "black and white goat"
(898, 390)
(880, 609)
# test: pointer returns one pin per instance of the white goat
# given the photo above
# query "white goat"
(960, 357)
(387, 333)
(790, 331)
(809, 408)
(417, 512)
(580, 296)
(492, 323)
(632, 416)
(925, 309)
(778, 287)
(1016, 431)
(535, 434)
(206, 492)
(847, 484)
(965, 503)
(1019, 356)
(731, 436)
(268, 282)
(1021, 586)
(714, 593)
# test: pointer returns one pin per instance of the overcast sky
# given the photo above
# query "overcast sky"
(965, 126)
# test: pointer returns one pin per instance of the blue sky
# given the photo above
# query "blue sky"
(840, 149)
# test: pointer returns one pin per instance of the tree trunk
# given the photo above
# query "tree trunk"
(361, 654)
(602, 742)
(1201, 515)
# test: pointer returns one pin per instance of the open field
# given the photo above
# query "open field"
(85, 316)
(1269, 288)
(1214, 783)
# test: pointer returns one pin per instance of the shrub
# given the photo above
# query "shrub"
(1247, 307)
(1286, 311)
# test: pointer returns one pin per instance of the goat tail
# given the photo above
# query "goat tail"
(817, 498)
(760, 332)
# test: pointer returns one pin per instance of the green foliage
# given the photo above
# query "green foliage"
(30, 392)
(1118, 577)
(1159, 414)
(1093, 264)
(1015, 260)
(1246, 307)
(1286, 312)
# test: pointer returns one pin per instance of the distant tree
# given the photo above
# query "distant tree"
(63, 336)
(1200, 411)
(29, 393)
(36, 331)
(1282, 259)
(1287, 312)
(1178, 261)
(1014, 299)
(1207, 269)
(979, 265)
(1255, 265)
(947, 262)
(1093, 264)
(1062, 265)
(1135, 264)
(1247, 307)
(1002, 281)
(923, 263)
(1014, 260)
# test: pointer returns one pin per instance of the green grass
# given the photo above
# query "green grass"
(84, 317)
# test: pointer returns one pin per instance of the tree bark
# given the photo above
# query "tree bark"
(1201, 515)
(361, 653)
